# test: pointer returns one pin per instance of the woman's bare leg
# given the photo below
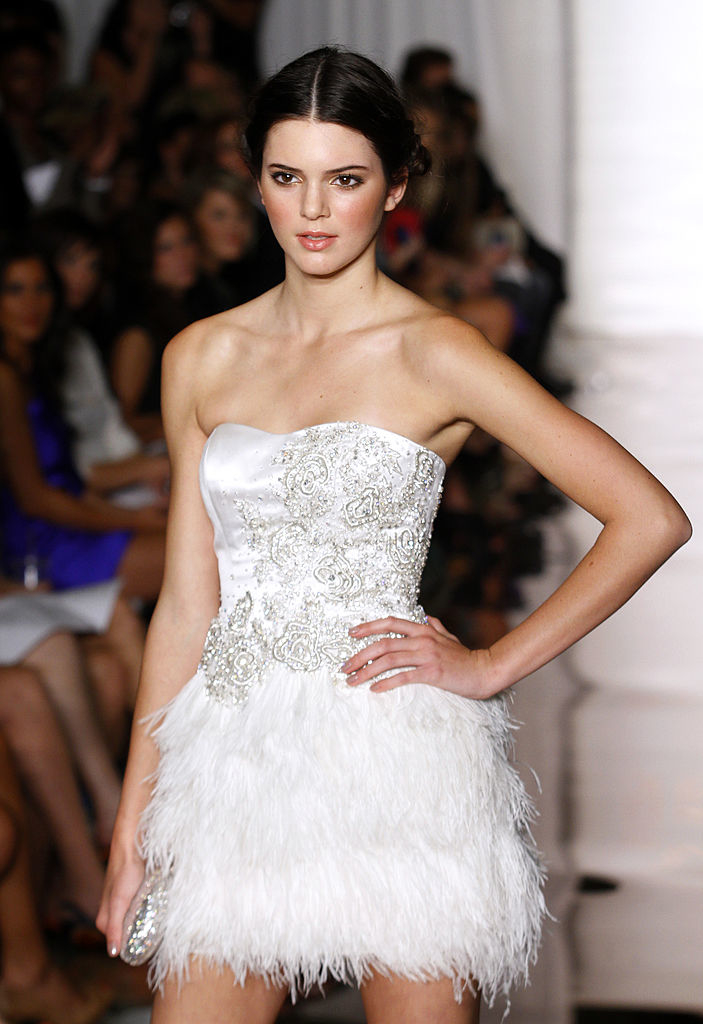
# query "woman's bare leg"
(30, 986)
(33, 735)
(211, 997)
(60, 665)
(395, 1000)
(142, 566)
(125, 635)
(107, 678)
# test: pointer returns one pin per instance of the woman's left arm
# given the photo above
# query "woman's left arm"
(642, 526)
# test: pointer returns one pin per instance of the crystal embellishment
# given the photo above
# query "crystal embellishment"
(142, 933)
(336, 534)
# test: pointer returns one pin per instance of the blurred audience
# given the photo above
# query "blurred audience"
(159, 268)
(108, 454)
(224, 223)
(32, 986)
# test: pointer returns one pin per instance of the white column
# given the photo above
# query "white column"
(636, 346)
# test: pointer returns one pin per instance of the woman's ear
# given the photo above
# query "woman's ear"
(396, 193)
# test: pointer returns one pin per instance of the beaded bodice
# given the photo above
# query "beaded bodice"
(315, 531)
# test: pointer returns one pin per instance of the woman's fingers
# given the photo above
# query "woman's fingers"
(418, 653)
(391, 624)
(436, 624)
(384, 663)
(377, 650)
(119, 893)
(401, 678)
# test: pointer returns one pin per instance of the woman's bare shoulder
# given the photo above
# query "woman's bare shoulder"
(441, 337)
(210, 339)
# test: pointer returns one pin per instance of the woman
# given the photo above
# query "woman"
(224, 222)
(160, 255)
(46, 514)
(239, 256)
(316, 815)
(107, 453)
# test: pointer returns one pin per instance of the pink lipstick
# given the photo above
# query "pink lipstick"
(315, 241)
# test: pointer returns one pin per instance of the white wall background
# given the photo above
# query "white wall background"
(635, 343)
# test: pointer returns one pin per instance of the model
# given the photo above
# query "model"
(320, 771)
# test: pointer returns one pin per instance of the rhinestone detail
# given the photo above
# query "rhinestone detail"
(349, 546)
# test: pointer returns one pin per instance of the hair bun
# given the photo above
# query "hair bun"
(419, 156)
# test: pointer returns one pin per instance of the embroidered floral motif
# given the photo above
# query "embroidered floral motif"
(348, 544)
(337, 577)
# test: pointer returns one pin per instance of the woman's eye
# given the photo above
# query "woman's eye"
(347, 180)
(284, 177)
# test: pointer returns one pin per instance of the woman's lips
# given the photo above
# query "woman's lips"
(315, 240)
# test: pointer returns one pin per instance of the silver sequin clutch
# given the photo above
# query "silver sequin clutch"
(142, 931)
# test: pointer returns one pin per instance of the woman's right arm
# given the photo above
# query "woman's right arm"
(187, 603)
(34, 494)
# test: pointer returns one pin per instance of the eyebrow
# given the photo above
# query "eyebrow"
(332, 170)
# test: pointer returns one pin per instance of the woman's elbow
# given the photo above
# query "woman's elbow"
(671, 527)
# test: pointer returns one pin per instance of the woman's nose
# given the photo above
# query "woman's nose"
(313, 201)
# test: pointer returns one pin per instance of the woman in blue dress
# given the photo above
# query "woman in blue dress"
(47, 517)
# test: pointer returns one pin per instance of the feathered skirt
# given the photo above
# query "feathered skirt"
(325, 831)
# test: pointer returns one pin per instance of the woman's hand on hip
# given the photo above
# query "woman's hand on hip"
(423, 652)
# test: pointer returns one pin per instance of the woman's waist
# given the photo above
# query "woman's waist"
(303, 632)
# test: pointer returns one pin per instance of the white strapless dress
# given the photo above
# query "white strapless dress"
(314, 829)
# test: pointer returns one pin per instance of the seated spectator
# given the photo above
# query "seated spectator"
(130, 59)
(34, 635)
(461, 284)
(44, 506)
(32, 987)
(426, 68)
(108, 454)
(262, 266)
(41, 16)
(172, 145)
(222, 147)
(224, 223)
(126, 186)
(160, 261)
(48, 176)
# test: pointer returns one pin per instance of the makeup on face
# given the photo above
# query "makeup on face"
(325, 192)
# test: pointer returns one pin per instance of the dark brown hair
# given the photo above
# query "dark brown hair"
(337, 86)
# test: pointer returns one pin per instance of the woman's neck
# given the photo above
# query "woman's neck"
(312, 307)
(18, 355)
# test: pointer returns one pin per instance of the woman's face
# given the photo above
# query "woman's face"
(26, 302)
(175, 255)
(325, 193)
(79, 266)
(225, 227)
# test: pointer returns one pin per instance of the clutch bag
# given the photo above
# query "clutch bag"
(142, 931)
